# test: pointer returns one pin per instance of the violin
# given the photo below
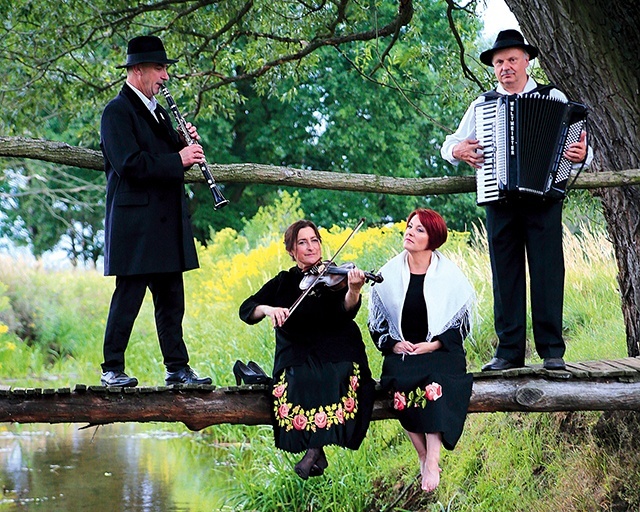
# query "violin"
(333, 276)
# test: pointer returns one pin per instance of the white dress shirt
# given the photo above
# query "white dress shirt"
(149, 103)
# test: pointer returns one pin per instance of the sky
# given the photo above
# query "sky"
(497, 17)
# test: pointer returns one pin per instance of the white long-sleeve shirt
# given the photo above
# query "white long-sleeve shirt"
(467, 127)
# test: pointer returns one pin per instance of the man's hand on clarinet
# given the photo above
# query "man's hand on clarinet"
(192, 155)
(577, 151)
(469, 151)
(192, 132)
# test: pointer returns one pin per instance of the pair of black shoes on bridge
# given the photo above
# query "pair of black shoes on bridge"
(250, 373)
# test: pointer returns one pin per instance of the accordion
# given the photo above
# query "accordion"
(524, 140)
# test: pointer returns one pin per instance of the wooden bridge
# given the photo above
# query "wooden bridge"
(586, 386)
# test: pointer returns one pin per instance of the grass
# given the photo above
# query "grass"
(52, 323)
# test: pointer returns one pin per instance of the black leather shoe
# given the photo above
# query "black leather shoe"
(498, 364)
(118, 379)
(250, 374)
(186, 375)
(553, 363)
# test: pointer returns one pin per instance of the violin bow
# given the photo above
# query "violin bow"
(324, 270)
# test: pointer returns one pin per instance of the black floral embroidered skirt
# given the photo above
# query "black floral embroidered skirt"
(430, 392)
(322, 403)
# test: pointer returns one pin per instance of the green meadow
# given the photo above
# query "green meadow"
(52, 322)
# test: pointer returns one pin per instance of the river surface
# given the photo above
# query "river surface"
(119, 468)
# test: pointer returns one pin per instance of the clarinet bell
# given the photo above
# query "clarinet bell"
(218, 199)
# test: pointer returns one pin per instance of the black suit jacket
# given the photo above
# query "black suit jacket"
(147, 225)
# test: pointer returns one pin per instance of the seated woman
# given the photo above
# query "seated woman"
(418, 318)
(322, 387)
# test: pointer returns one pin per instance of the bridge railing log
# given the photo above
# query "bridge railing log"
(594, 386)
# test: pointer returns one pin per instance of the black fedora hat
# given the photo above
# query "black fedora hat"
(508, 39)
(146, 49)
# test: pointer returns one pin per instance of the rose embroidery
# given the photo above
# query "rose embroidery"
(320, 419)
(433, 391)
(299, 421)
(293, 416)
(418, 397)
(283, 411)
(278, 391)
(399, 401)
(349, 404)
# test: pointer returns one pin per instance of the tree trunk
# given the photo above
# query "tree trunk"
(590, 49)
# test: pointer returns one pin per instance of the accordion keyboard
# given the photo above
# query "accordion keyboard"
(486, 174)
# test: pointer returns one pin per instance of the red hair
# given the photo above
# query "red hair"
(434, 224)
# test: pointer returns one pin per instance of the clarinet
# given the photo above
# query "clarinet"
(218, 198)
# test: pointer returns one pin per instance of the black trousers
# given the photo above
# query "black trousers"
(533, 228)
(167, 290)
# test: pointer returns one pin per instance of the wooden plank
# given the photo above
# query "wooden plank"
(626, 371)
(631, 362)
(607, 370)
(577, 371)
(591, 371)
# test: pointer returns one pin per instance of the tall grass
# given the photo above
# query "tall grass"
(52, 323)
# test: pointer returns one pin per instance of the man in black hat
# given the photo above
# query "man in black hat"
(519, 226)
(148, 236)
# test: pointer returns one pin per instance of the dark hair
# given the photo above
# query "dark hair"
(434, 224)
(291, 234)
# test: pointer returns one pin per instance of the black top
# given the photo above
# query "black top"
(415, 323)
(319, 326)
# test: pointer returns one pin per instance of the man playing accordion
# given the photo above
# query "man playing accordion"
(520, 225)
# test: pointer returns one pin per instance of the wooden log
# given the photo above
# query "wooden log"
(199, 407)
(65, 154)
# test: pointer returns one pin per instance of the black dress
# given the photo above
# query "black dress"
(430, 391)
(323, 391)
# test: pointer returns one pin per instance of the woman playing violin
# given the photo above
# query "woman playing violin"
(322, 389)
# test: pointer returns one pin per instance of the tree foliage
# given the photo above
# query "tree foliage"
(332, 85)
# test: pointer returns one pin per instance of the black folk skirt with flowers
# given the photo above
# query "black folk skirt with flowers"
(430, 392)
(322, 403)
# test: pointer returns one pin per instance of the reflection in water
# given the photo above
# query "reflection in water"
(119, 468)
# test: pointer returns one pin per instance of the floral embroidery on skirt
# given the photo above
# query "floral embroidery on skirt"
(293, 416)
(418, 397)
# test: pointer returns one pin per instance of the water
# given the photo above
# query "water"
(119, 468)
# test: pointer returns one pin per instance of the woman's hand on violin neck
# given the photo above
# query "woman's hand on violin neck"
(356, 280)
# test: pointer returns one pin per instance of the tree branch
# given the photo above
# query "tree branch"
(61, 153)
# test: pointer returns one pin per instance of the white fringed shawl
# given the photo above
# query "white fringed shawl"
(447, 292)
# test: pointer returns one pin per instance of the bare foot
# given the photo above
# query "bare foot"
(430, 477)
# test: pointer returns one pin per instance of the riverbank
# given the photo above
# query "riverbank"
(51, 326)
